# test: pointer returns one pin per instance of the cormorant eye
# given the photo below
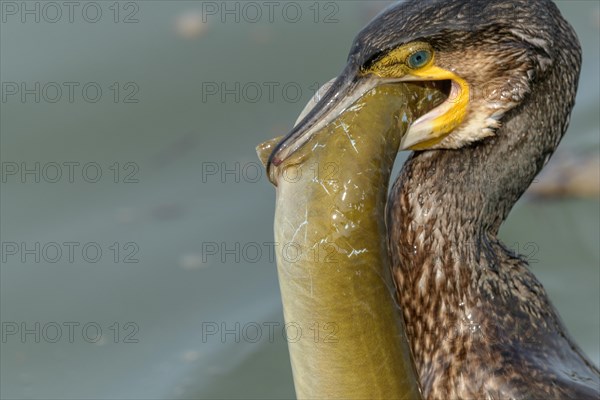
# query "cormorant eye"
(419, 59)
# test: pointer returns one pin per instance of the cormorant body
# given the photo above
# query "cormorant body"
(480, 325)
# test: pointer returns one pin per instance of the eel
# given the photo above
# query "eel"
(345, 332)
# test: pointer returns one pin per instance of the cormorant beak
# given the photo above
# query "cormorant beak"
(341, 95)
(353, 84)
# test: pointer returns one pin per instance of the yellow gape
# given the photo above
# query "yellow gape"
(416, 62)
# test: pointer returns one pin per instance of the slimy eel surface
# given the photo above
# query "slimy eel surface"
(346, 335)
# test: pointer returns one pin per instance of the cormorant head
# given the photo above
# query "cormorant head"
(485, 54)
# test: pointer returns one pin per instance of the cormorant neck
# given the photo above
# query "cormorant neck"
(472, 308)
(444, 212)
(465, 194)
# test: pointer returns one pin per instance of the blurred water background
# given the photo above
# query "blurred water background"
(144, 238)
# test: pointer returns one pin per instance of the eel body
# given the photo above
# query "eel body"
(346, 335)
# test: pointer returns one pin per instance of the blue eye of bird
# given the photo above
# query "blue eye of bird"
(419, 59)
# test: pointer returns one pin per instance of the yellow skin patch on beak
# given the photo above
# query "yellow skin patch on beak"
(396, 64)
